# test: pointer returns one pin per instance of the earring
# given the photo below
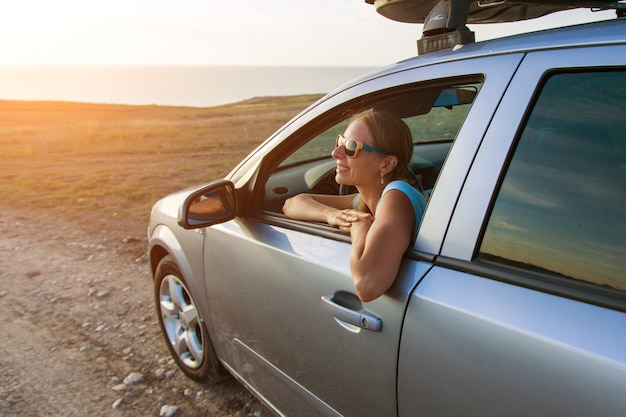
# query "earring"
(382, 178)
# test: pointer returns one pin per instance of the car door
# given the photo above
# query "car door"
(525, 311)
(287, 320)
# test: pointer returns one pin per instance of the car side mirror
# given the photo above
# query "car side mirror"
(213, 204)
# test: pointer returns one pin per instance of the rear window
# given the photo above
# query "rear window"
(561, 207)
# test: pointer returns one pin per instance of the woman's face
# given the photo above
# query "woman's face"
(365, 168)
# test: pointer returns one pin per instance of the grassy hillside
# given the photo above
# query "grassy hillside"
(103, 166)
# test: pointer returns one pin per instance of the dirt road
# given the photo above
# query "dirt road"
(79, 335)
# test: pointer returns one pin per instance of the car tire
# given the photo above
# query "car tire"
(182, 326)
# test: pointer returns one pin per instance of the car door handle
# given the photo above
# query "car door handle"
(359, 318)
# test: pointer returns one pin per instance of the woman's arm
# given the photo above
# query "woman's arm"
(332, 209)
(378, 245)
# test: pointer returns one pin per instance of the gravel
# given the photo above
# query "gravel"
(80, 336)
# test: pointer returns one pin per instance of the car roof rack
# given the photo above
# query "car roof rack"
(445, 27)
(445, 20)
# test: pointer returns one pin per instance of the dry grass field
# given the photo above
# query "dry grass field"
(103, 166)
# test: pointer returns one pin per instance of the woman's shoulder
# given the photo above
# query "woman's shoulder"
(403, 186)
(416, 198)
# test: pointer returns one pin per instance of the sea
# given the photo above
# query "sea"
(193, 86)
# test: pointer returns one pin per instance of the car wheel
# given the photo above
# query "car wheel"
(184, 330)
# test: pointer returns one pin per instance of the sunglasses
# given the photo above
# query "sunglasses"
(352, 147)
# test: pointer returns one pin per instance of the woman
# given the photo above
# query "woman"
(373, 155)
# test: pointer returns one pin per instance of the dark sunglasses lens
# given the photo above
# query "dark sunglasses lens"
(351, 147)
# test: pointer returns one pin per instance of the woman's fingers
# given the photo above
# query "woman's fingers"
(344, 218)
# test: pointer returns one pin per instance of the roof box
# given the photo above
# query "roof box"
(485, 11)
(445, 20)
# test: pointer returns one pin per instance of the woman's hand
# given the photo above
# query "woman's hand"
(344, 219)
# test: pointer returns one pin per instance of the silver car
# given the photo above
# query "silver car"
(512, 301)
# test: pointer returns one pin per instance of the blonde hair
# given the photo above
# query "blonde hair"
(391, 134)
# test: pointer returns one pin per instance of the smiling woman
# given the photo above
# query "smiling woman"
(373, 156)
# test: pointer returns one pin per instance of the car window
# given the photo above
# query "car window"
(434, 114)
(561, 207)
(319, 147)
(444, 118)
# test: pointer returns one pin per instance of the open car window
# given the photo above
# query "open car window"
(434, 115)
(319, 147)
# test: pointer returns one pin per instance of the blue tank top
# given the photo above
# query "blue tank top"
(415, 197)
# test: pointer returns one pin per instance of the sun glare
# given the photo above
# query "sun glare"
(197, 32)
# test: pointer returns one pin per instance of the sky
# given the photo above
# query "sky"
(214, 32)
